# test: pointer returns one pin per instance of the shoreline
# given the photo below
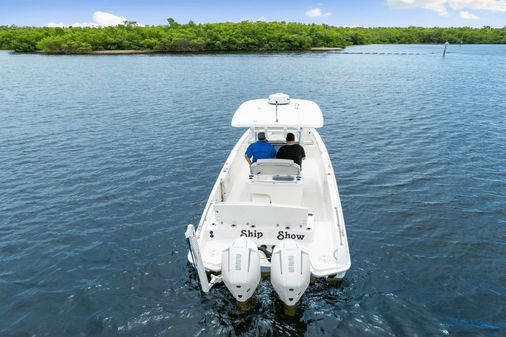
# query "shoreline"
(147, 51)
(229, 52)
(326, 49)
(117, 52)
(201, 52)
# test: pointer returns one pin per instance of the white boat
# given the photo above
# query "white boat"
(273, 216)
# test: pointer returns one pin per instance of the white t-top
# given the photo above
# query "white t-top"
(299, 113)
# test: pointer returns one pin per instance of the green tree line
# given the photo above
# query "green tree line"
(228, 36)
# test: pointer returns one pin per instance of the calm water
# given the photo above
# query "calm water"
(104, 160)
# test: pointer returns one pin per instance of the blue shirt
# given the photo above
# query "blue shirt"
(261, 150)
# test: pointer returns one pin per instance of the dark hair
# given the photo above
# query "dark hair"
(261, 136)
(290, 137)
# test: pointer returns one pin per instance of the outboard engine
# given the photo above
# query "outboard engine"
(240, 268)
(290, 271)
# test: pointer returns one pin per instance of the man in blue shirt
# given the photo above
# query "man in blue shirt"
(260, 150)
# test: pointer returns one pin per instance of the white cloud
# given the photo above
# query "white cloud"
(437, 6)
(75, 24)
(441, 6)
(354, 26)
(317, 13)
(56, 25)
(262, 18)
(468, 16)
(486, 5)
(108, 19)
(84, 24)
(100, 19)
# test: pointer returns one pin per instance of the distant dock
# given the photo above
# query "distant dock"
(326, 49)
(120, 52)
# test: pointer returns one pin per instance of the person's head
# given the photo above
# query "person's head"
(290, 137)
(261, 136)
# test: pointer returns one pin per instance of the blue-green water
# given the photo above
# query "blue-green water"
(105, 159)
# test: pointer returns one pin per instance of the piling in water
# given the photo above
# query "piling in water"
(446, 45)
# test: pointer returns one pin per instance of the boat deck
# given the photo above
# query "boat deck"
(313, 194)
(328, 250)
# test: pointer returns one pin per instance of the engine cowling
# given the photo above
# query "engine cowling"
(290, 271)
(240, 268)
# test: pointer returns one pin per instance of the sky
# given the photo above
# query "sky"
(365, 13)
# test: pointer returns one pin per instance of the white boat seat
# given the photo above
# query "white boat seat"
(261, 215)
(275, 167)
